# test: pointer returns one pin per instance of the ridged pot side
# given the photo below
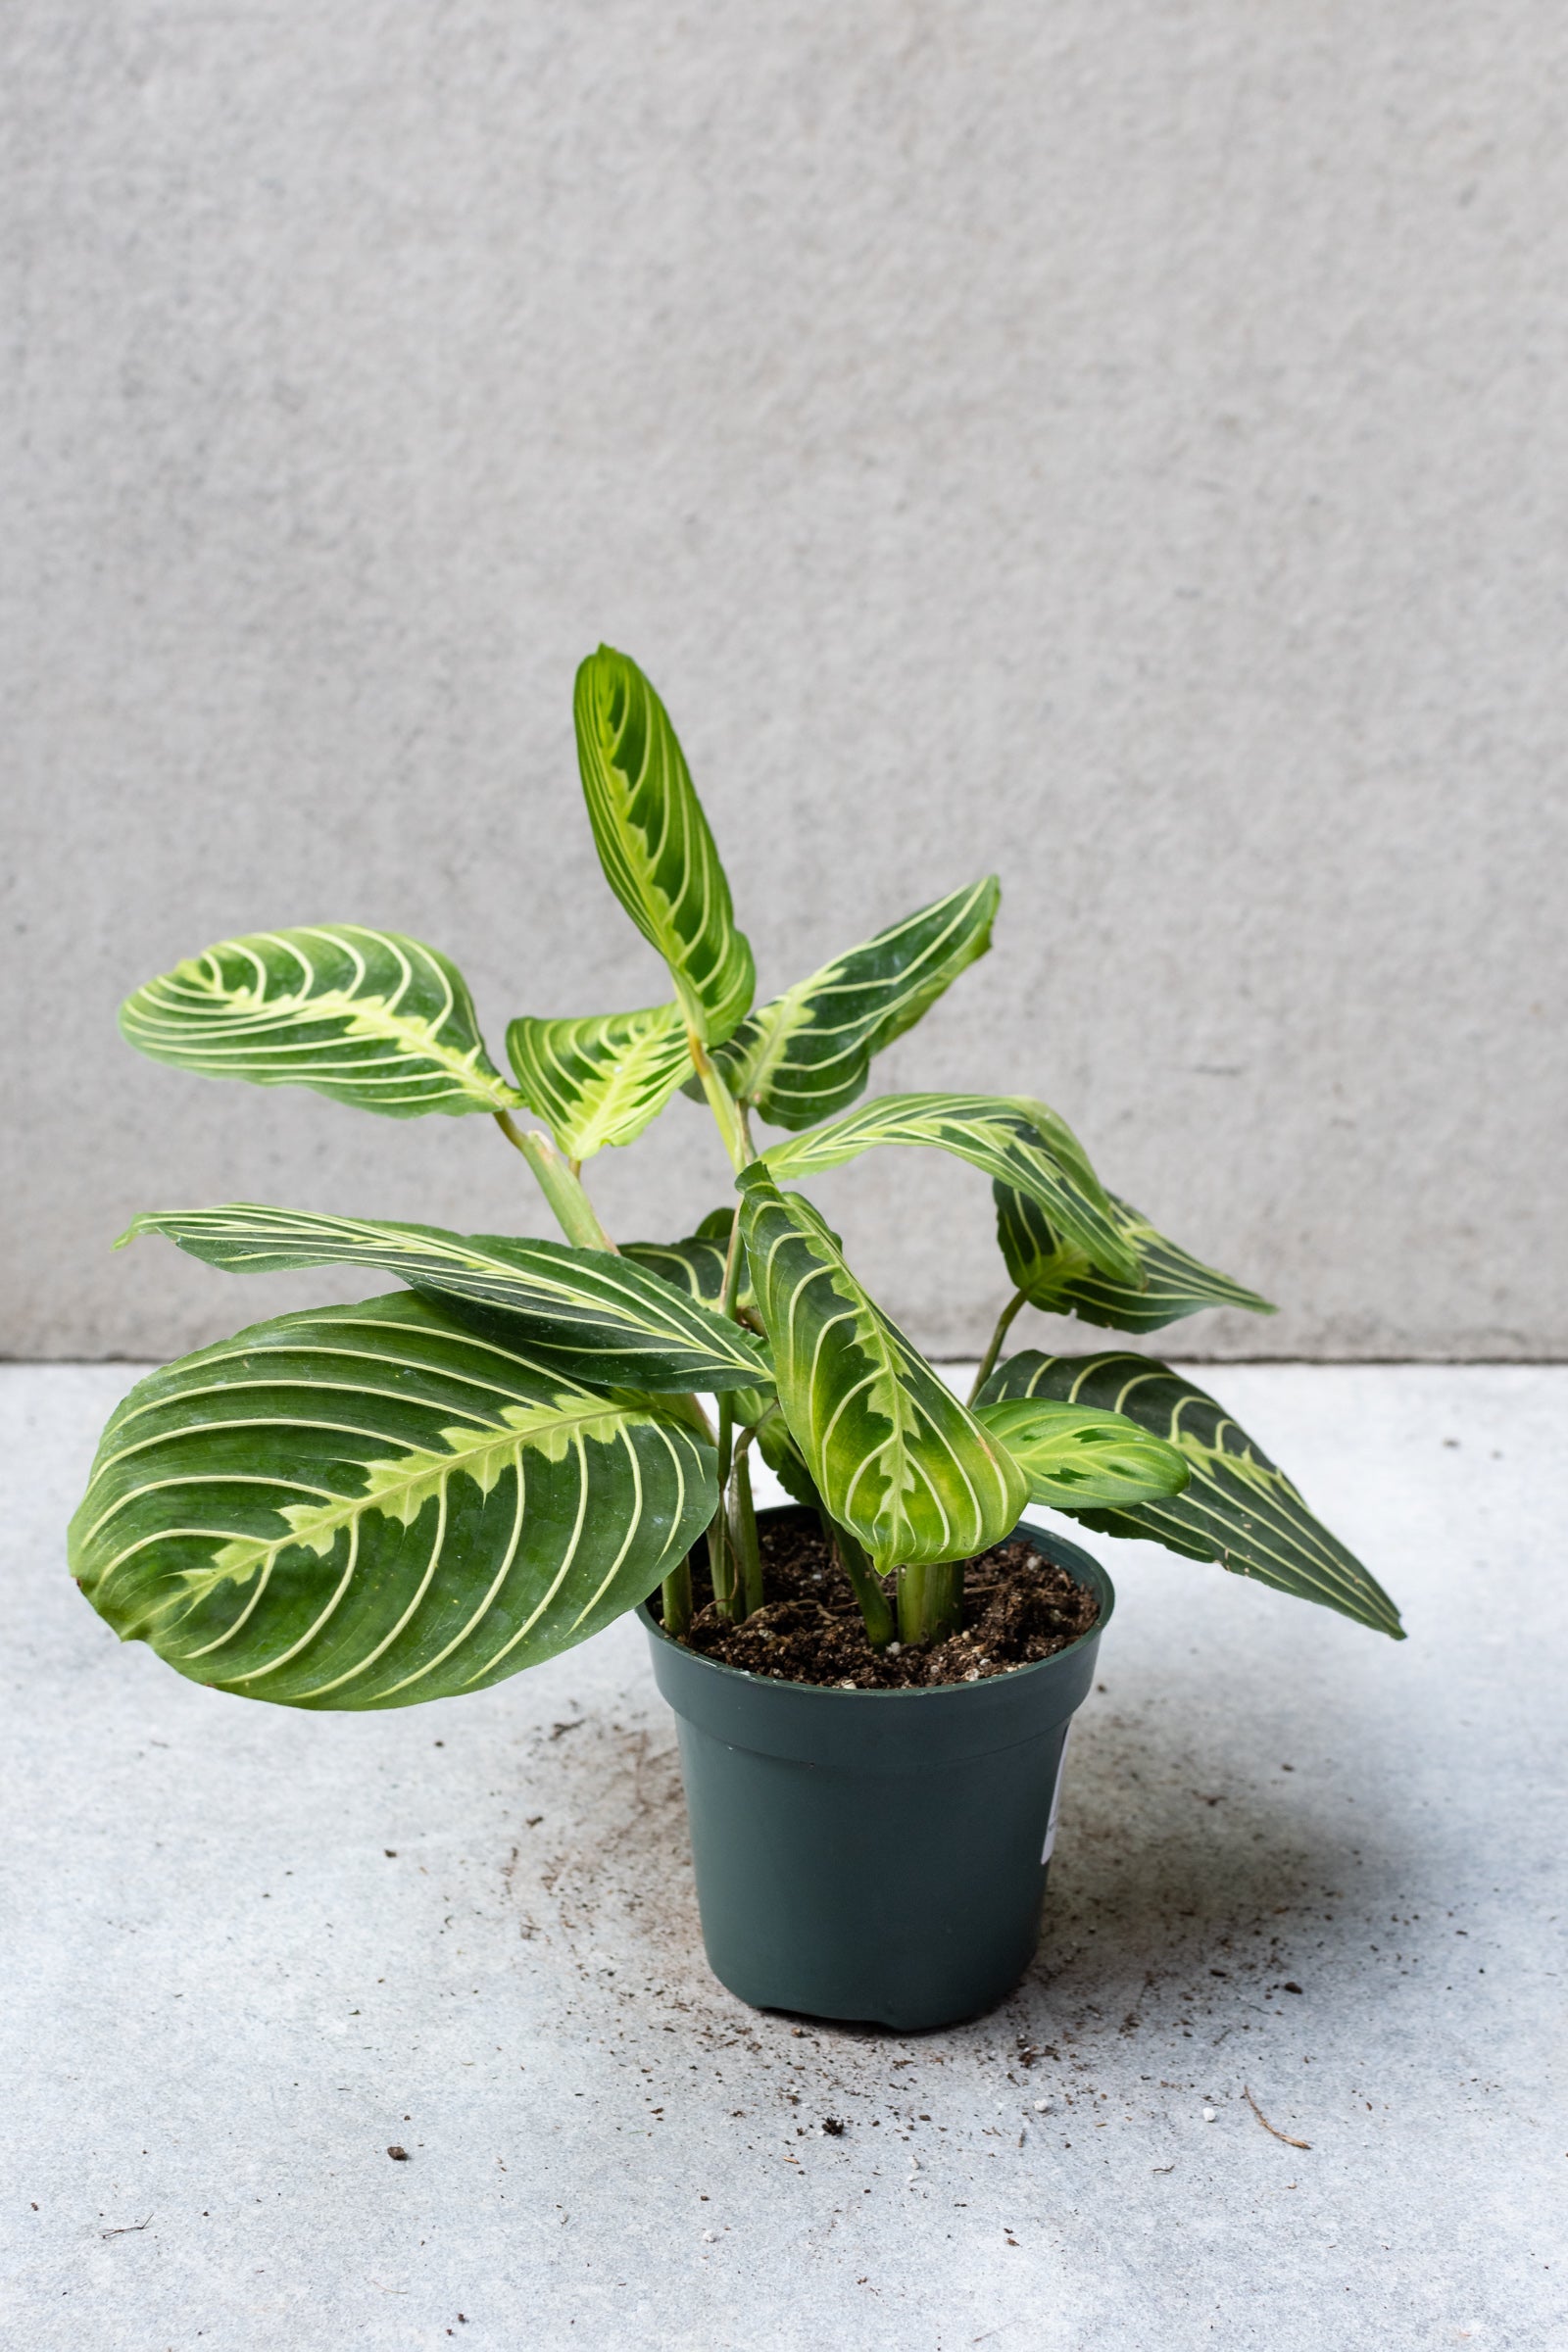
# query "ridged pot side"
(876, 1855)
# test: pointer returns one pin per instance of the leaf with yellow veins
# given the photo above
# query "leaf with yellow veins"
(361, 1506)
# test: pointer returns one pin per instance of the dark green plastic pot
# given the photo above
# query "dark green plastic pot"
(878, 1855)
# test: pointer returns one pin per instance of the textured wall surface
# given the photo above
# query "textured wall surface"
(1122, 447)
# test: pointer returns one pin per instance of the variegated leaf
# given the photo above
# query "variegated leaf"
(365, 1506)
(809, 1053)
(1014, 1139)
(787, 1462)
(1236, 1507)
(600, 1079)
(654, 843)
(1076, 1453)
(367, 1017)
(585, 1313)
(897, 1459)
(1056, 1276)
(695, 1264)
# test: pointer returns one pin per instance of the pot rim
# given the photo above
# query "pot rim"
(1043, 1537)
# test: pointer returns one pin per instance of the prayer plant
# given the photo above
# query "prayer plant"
(368, 1506)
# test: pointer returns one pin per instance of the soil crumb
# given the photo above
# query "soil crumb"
(1018, 1607)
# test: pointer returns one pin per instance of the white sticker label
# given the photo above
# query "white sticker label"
(1049, 1849)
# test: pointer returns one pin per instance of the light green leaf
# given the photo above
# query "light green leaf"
(809, 1053)
(600, 1079)
(897, 1458)
(1077, 1453)
(365, 1506)
(654, 841)
(1236, 1507)
(367, 1017)
(1014, 1139)
(584, 1313)
(1056, 1276)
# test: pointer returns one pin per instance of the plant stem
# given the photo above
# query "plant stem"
(746, 1544)
(677, 1595)
(930, 1601)
(732, 1547)
(868, 1587)
(732, 1266)
(722, 1102)
(574, 1211)
(988, 1359)
(720, 1545)
(726, 1438)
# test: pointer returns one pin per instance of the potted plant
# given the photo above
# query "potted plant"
(376, 1505)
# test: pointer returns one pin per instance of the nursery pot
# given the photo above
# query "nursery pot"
(878, 1855)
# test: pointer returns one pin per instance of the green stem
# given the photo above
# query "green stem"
(746, 1544)
(732, 1537)
(728, 1113)
(726, 1438)
(930, 1601)
(868, 1587)
(574, 1211)
(720, 1545)
(677, 1597)
(988, 1359)
(732, 1267)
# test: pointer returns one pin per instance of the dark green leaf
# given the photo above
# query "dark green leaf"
(1237, 1508)
(809, 1053)
(897, 1458)
(589, 1314)
(1014, 1139)
(697, 1265)
(365, 1506)
(1056, 1275)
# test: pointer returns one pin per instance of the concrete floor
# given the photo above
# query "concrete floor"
(248, 1949)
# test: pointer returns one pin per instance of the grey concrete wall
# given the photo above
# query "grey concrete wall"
(1119, 445)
